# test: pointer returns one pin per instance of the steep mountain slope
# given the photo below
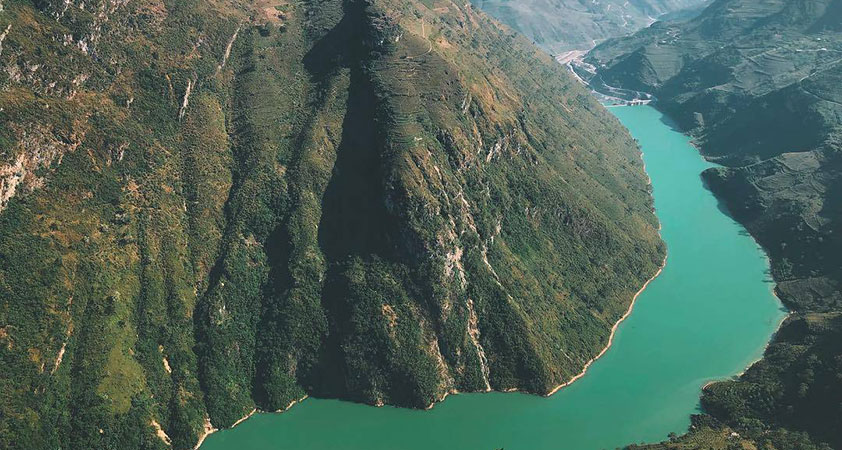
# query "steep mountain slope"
(759, 84)
(214, 206)
(563, 25)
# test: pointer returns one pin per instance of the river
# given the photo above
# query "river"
(707, 316)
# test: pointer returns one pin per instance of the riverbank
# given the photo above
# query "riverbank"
(706, 315)
(613, 332)
(587, 364)
(209, 428)
(631, 305)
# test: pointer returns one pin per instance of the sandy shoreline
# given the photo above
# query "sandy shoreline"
(209, 428)
(244, 418)
(207, 431)
(613, 332)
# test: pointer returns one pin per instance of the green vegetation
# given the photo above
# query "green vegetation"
(211, 207)
(709, 434)
(758, 85)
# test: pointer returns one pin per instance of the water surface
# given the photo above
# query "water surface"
(707, 316)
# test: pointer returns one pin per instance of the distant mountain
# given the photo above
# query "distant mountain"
(759, 86)
(563, 25)
(215, 206)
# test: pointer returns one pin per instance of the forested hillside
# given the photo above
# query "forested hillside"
(209, 207)
(759, 85)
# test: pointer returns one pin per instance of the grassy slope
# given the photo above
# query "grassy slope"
(382, 202)
(758, 85)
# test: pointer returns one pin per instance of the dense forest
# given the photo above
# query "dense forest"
(208, 207)
(759, 86)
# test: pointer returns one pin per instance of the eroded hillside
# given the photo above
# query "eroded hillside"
(211, 207)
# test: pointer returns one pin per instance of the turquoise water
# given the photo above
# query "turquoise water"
(707, 316)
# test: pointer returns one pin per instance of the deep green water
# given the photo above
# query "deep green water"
(707, 316)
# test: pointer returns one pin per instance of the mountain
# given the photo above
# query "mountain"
(215, 206)
(759, 86)
(560, 26)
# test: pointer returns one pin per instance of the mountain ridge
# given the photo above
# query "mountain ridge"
(230, 205)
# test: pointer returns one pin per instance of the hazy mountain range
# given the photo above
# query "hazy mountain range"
(564, 25)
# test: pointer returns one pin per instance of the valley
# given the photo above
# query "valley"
(705, 317)
(402, 223)
(757, 86)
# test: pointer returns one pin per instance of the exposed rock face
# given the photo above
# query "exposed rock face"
(37, 151)
(383, 201)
